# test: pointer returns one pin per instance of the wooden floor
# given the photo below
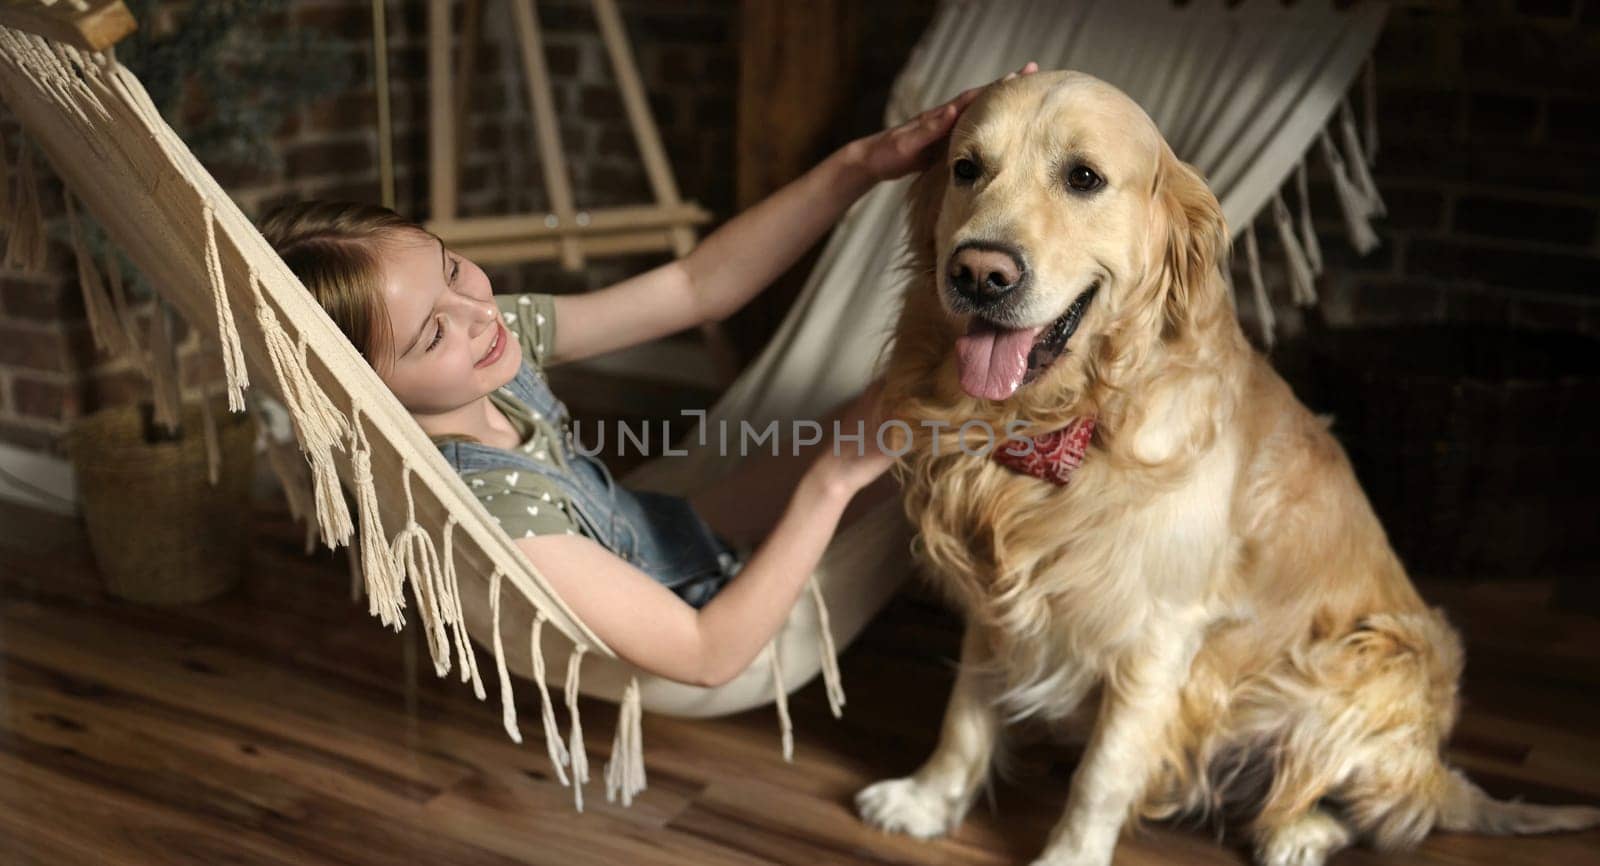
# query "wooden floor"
(275, 726)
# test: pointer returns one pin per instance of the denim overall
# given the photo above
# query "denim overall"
(658, 533)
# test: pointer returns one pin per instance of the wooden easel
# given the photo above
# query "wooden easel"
(567, 234)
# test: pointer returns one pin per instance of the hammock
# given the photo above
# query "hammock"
(1243, 92)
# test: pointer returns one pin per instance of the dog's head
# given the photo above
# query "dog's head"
(1063, 237)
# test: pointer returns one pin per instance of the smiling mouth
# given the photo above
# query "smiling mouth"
(496, 348)
(995, 361)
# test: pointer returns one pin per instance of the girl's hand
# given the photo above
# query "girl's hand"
(851, 465)
(909, 147)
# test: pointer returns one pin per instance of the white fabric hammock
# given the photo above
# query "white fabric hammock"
(1241, 92)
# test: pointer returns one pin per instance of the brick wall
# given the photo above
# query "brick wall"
(686, 53)
(1488, 165)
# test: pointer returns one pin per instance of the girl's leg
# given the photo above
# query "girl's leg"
(744, 505)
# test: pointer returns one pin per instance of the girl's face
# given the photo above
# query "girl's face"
(450, 347)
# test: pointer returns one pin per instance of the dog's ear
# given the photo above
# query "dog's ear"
(1195, 244)
(923, 199)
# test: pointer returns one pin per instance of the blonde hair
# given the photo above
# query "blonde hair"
(333, 247)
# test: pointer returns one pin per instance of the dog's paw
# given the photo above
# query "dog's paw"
(1306, 841)
(905, 806)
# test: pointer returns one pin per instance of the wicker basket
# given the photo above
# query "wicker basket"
(160, 531)
(1479, 446)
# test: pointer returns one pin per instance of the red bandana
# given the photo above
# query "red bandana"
(1054, 456)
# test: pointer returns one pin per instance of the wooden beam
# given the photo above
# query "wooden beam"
(478, 230)
(552, 249)
(441, 115)
(94, 25)
(547, 134)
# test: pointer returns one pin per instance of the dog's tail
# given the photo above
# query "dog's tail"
(1464, 807)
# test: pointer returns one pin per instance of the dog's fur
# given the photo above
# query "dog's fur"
(1212, 588)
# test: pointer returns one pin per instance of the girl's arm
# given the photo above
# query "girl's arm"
(735, 262)
(653, 629)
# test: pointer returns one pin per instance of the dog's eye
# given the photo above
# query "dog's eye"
(1083, 179)
(966, 170)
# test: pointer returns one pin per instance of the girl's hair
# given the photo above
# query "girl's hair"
(333, 247)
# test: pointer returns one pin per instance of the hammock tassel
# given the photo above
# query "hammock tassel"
(1351, 201)
(508, 704)
(27, 244)
(379, 567)
(575, 747)
(830, 655)
(106, 323)
(451, 600)
(1258, 286)
(625, 770)
(320, 426)
(1360, 174)
(233, 367)
(552, 735)
(780, 696)
(418, 560)
(1308, 231)
(1302, 286)
(163, 369)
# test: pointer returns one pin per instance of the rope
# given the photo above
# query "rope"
(575, 747)
(380, 569)
(452, 600)
(508, 704)
(1302, 285)
(831, 679)
(1258, 287)
(233, 366)
(552, 735)
(781, 698)
(1308, 231)
(1351, 202)
(418, 559)
(625, 770)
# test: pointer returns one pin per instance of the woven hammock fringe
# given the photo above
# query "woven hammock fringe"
(1308, 231)
(1352, 203)
(831, 679)
(467, 658)
(1258, 288)
(416, 556)
(625, 771)
(1302, 285)
(1360, 174)
(559, 759)
(508, 703)
(780, 697)
(27, 245)
(107, 325)
(575, 748)
(320, 427)
(379, 569)
(233, 366)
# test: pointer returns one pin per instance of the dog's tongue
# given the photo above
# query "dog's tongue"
(993, 360)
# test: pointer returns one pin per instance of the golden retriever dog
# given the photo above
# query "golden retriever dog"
(1210, 589)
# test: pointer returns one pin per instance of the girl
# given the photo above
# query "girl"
(650, 573)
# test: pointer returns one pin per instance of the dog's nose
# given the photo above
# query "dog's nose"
(983, 273)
